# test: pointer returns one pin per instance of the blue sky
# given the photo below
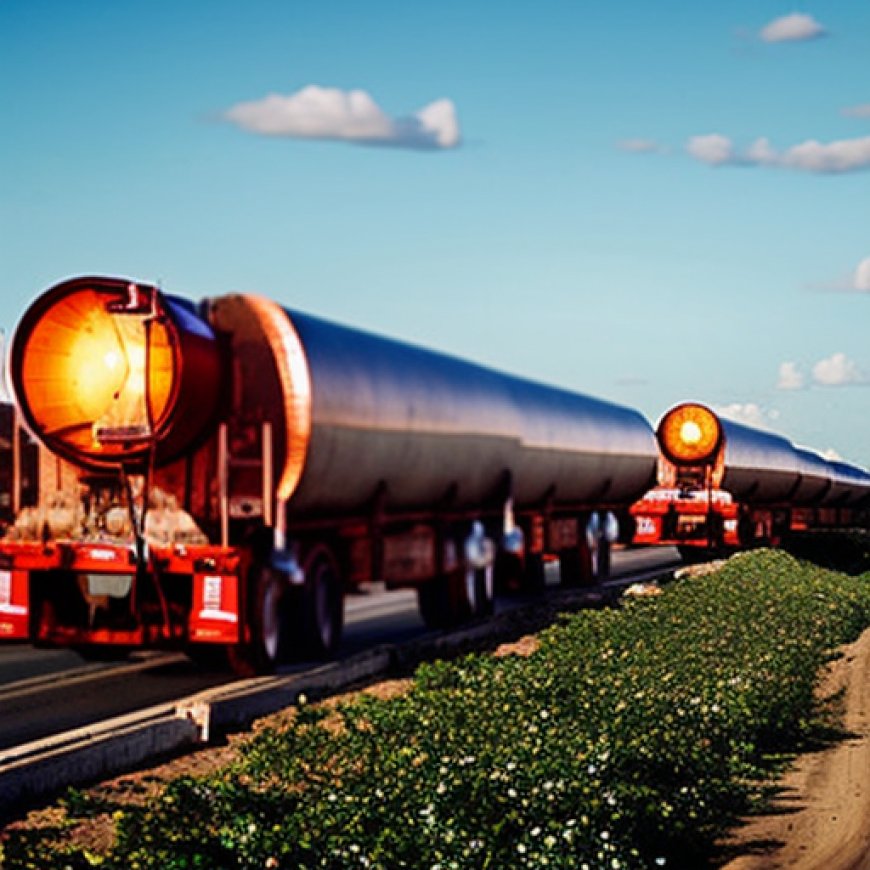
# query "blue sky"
(645, 202)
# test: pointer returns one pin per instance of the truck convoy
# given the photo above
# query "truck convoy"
(216, 476)
(724, 485)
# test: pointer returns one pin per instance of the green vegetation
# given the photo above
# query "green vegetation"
(632, 737)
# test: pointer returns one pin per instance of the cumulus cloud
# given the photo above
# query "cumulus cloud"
(790, 377)
(351, 116)
(844, 155)
(749, 413)
(861, 280)
(796, 27)
(713, 148)
(860, 111)
(837, 371)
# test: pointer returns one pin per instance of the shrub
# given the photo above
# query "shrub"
(633, 737)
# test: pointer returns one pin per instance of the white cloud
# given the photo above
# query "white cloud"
(837, 371)
(796, 27)
(844, 155)
(832, 455)
(352, 116)
(748, 413)
(714, 149)
(861, 280)
(790, 377)
(639, 146)
(860, 111)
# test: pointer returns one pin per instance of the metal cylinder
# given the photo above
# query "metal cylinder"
(760, 467)
(359, 418)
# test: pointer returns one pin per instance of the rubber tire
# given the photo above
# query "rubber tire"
(484, 592)
(450, 600)
(575, 567)
(433, 603)
(535, 580)
(319, 605)
(604, 560)
(268, 618)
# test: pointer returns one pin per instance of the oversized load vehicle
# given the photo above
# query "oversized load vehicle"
(221, 473)
(723, 484)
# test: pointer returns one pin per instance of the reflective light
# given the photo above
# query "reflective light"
(83, 372)
(690, 434)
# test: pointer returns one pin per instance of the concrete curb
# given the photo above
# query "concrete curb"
(37, 770)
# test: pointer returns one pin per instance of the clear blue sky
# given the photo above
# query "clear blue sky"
(623, 198)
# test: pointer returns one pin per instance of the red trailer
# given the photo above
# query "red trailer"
(217, 475)
(723, 485)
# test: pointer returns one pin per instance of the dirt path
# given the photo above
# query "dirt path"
(822, 818)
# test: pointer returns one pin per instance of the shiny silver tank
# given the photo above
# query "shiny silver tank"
(814, 486)
(850, 485)
(760, 467)
(365, 415)
(764, 468)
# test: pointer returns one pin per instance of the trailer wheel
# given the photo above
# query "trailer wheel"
(479, 594)
(268, 643)
(605, 551)
(575, 566)
(433, 603)
(509, 572)
(457, 596)
(535, 577)
(320, 604)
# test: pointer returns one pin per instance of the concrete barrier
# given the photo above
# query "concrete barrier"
(37, 770)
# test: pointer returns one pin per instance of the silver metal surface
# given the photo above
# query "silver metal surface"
(418, 423)
(764, 468)
(850, 485)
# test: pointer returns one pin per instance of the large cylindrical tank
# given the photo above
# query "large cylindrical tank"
(108, 372)
(815, 481)
(758, 467)
(850, 485)
(357, 416)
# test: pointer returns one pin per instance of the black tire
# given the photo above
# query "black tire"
(433, 603)
(575, 567)
(535, 579)
(484, 592)
(268, 621)
(455, 598)
(604, 560)
(319, 605)
(509, 572)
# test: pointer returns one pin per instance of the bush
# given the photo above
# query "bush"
(633, 737)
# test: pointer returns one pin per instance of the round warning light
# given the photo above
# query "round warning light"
(106, 371)
(690, 434)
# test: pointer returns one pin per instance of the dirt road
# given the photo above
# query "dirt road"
(822, 817)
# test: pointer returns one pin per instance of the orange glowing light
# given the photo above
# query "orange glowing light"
(86, 369)
(690, 434)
